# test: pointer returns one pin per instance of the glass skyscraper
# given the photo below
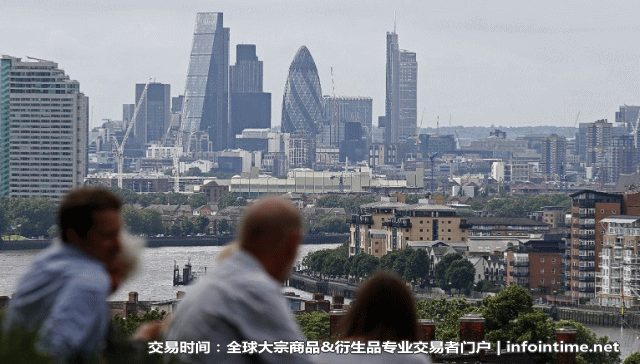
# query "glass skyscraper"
(302, 109)
(401, 93)
(207, 90)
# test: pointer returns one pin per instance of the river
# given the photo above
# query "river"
(154, 279)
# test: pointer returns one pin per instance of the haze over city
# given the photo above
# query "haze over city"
(483, 63)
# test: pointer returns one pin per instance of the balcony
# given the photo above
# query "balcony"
(519, 263)
(587, 289)
(519, 274)
(587, 279)
(586, 236)
(587, 247)
(587, 258)
(586, 269)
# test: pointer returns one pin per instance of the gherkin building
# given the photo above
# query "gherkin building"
(302, 101)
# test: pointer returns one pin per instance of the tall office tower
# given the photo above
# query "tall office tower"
(340, 110)
(176, 104)
(250, 107)
(554, 155)
(127, 113)
(401, 97)
(207, 91)
(48, 128)
(155, 113)
(302, 108)
(618, 156)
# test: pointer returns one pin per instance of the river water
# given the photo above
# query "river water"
(154, 279)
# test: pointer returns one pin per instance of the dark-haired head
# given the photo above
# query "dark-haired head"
(78, 208)
(384, 309)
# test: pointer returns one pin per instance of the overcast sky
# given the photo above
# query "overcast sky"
(511, 63)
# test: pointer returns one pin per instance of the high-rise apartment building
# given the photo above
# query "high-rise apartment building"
(554, 155)
(250, 107)
(155, 112)
(206, 109)
(400, 120)
(302, 108)
(48, 123)
(5, 92)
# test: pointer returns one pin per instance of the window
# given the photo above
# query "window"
(542, 282)
(553, 260)
(542, 271)
(602, 211)
(420, 230)
(553, 281)
(553, 271)
(541, 260)
(613, 212)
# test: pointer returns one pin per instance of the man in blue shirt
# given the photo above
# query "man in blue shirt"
(241, 300)
(63, 295)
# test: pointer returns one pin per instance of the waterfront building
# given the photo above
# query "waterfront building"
(302, 108)
(250, 106)
(536, 265)
(618, 279)
(400, 119)
(206, 97)
(48, 122)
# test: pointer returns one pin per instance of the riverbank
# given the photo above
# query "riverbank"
(175, 241)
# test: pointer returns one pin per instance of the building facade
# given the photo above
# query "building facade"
(554, 155)
(154, 116)
(400, 119)
(206, 100)
(250, 107)
(302, 108)
(48, 129)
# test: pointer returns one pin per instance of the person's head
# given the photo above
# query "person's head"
(384, 309)
(89, 219)
(271, 231)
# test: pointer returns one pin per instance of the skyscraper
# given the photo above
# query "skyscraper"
(48, 127)
(250, 107)
(155, 112)
(554, 155)
(401, 93)
(302, 108)
(207, 90)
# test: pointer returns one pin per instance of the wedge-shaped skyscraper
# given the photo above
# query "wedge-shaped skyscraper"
(207, 91)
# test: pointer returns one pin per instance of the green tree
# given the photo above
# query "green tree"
(197, 200)
(412, 199)
(201, 224)
(460, 274)
(445, 315)
(633, 358)
(331, 224)
(364, 265)
(441, 269)
(504, 307)
(128, 325)
(417, 266)
(230, 200)
(314, 325)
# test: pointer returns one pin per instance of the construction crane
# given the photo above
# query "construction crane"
(576, 122)
(178, 149)
(119, 148)
(634, 130)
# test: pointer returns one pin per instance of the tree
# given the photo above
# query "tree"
(633, 358)
(197, 200)
(460, 274)
(230, 200)
(128, 325)
(314, 325)
(445, 314)
(331, 224)
(201, 224)
(417, 266)
(441, 269)
(504, 307)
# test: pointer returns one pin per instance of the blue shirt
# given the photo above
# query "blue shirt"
(237, 302)
(62, 297)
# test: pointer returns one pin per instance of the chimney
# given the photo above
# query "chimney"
(318, 296)
(179, 294)
(133, 297)
(426, 330)
(472, 327)
(338, 298)
(334, 320)
(566, 335)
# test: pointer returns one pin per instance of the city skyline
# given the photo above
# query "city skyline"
(482, 63)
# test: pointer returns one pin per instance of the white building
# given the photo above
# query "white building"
(48, 128)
